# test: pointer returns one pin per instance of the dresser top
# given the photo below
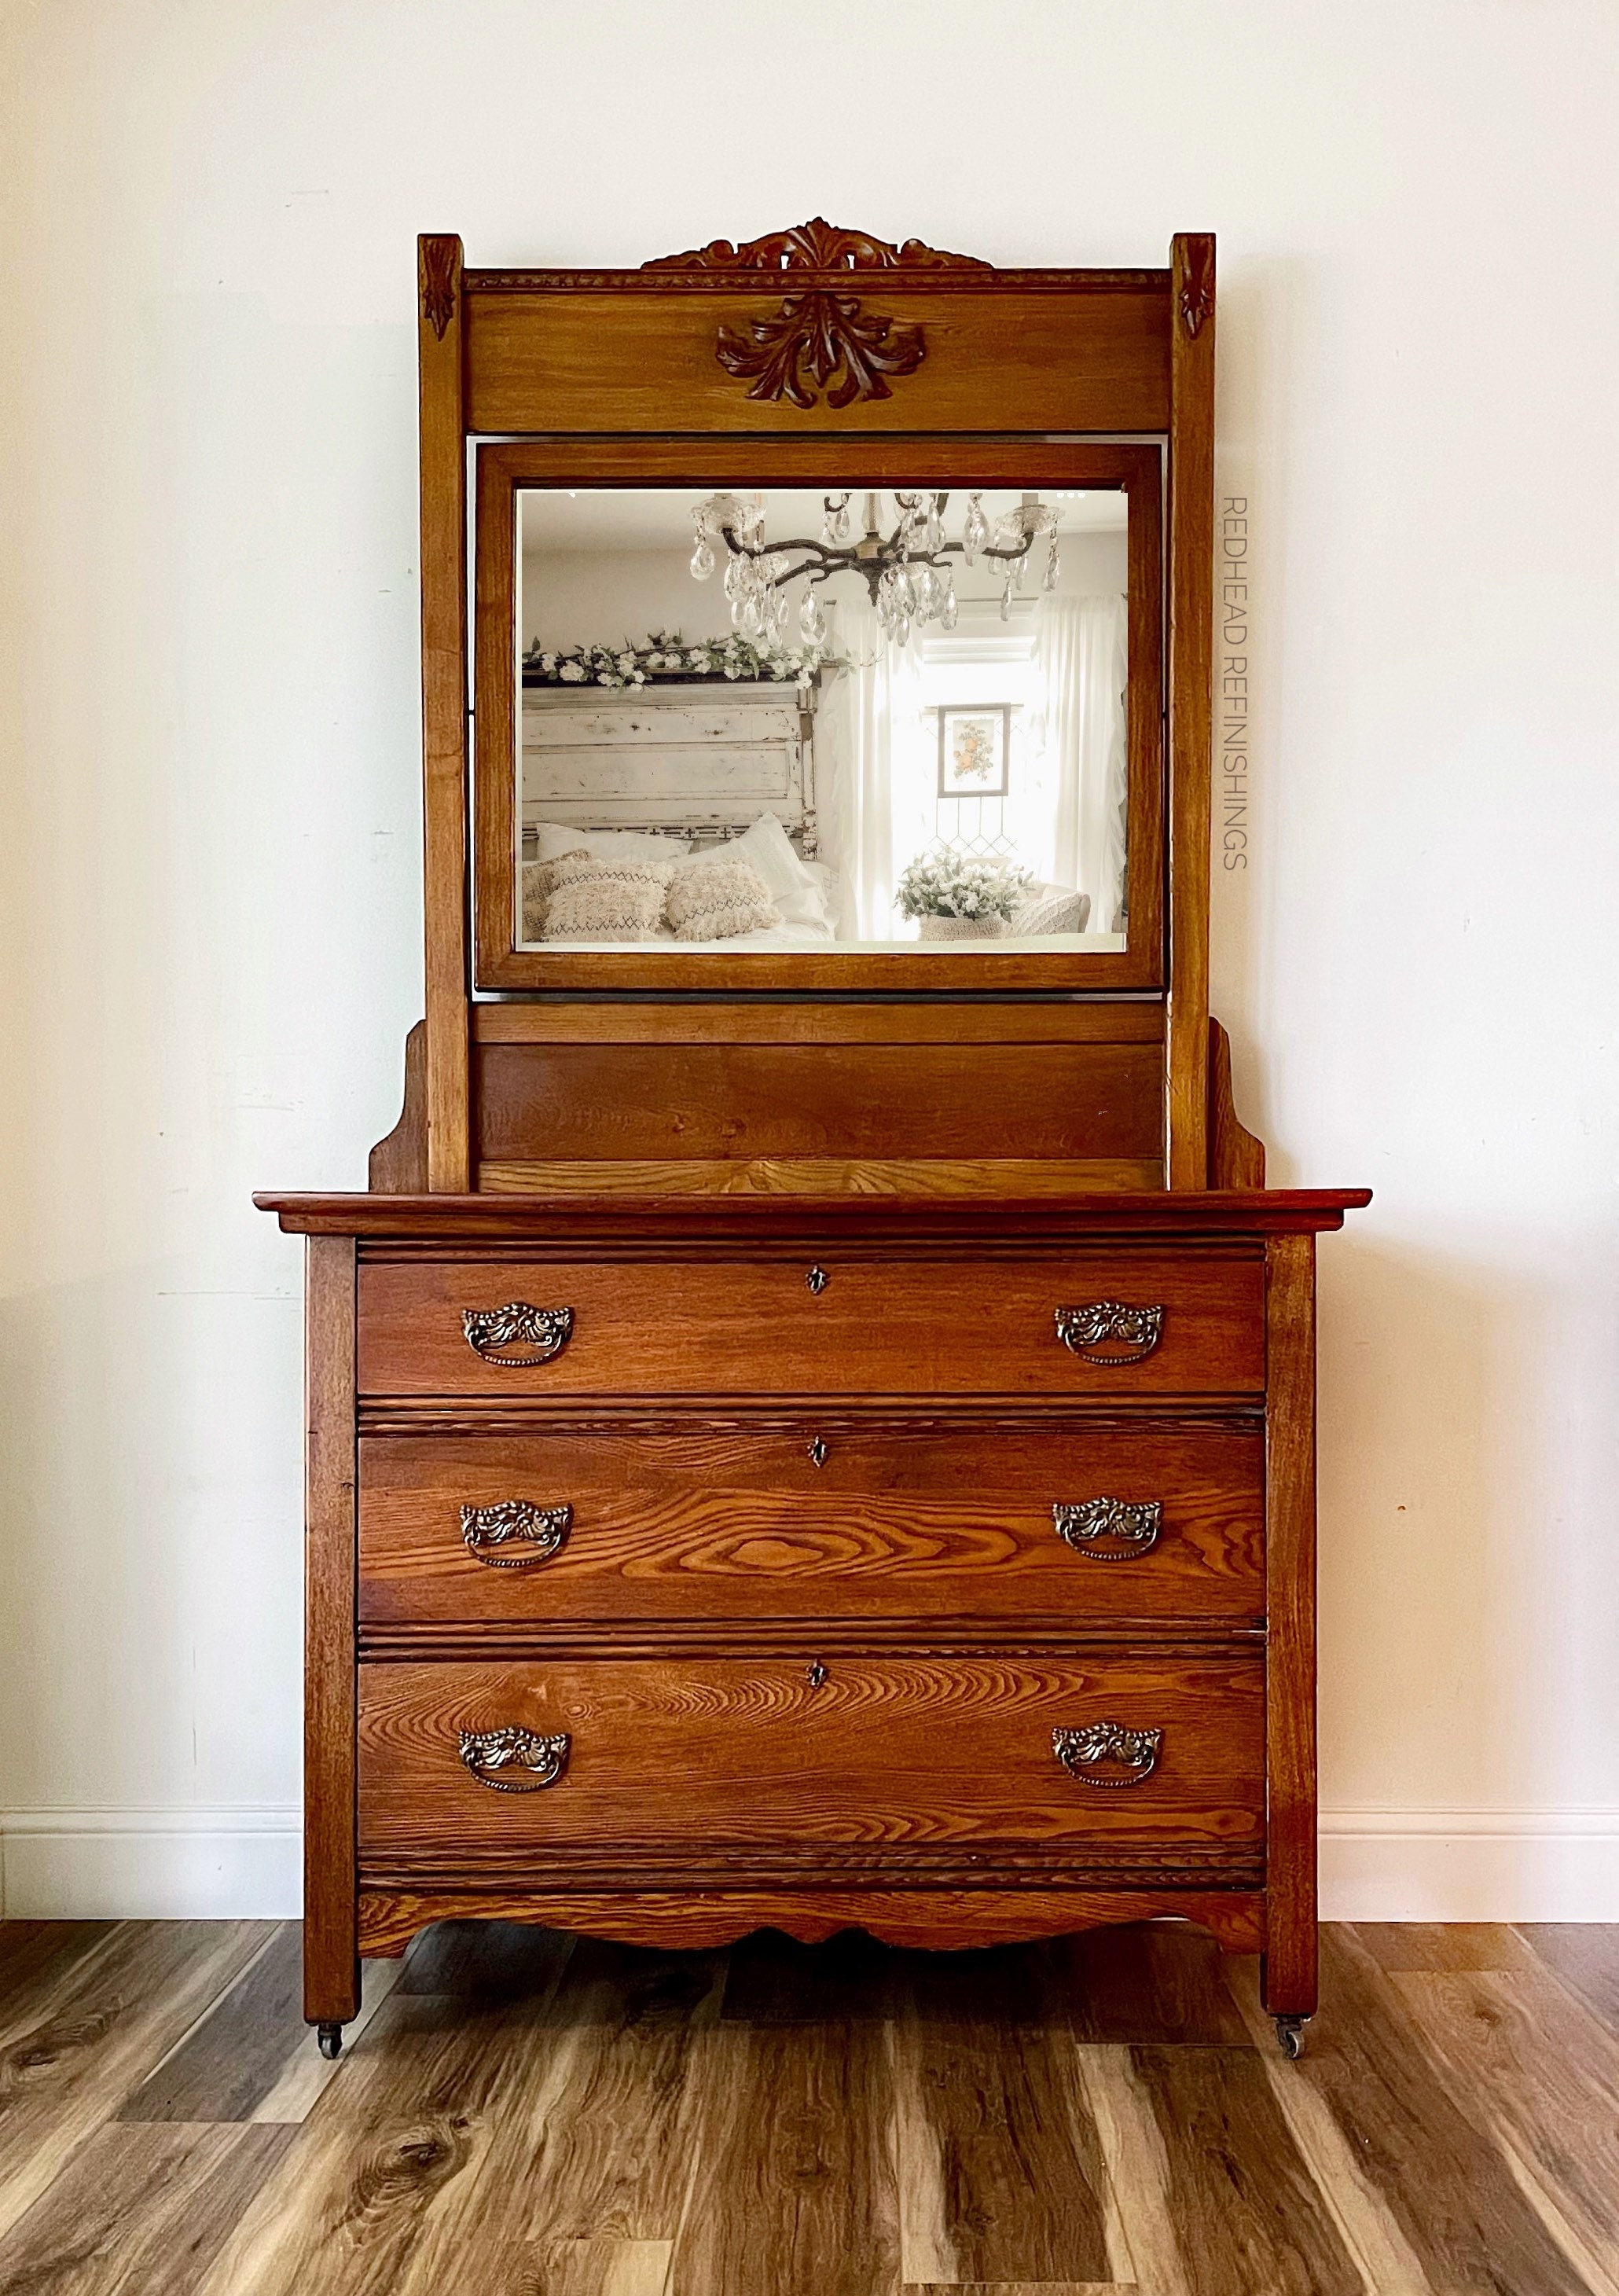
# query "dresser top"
(1141, 1214)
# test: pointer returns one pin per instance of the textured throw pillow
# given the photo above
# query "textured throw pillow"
(796, 893)
(604, 900)
(1051, 909)
(539, 883)
(717, 895)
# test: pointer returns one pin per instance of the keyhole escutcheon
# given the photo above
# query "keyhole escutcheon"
(817, 1452)
(817, 1279)
(814, 1673)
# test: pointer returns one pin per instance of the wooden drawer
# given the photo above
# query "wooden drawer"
(905, 1327)
(787, 1525)
(929, 1755)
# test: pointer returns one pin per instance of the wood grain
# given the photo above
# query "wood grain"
(871, 1020)
(138, 2209)
(399, 1162)
(1001, 2165)
(1290, 1954)
(1453, 2194)
(1147, 1981)
(1248, 2215)
(78, 2038)
(1191, 557)
(944, 1327)
(612, 352)
(332, 1975)
(823, 1176)
(697, 1918)
(1585, 1954)
(926, 1759)
(1236, 1158)
(443, 714)
(229, 2063)
(743, 1102)
(728, 1526)
(794, 2188)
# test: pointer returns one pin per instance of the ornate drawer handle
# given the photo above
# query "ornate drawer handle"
(1108, 1741)
(1135, 1331)
(1132, 1525)
(493, 1332)
(544, 1760)
(542, 1528)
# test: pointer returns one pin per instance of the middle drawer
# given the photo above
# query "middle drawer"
(1115, 1521)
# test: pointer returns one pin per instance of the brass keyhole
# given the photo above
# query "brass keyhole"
(815, 1675)
(817, 1279)
(818, 1451)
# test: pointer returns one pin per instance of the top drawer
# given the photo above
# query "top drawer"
(1086, 1322)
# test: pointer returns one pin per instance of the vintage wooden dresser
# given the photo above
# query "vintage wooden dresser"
(813, 1438)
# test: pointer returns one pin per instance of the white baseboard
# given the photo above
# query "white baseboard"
(1470, 1864)
(243, 1864)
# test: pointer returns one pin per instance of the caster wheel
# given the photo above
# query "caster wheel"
(1290, 2034)
(331, 2040)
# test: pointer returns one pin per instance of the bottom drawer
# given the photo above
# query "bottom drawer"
(491, 1767)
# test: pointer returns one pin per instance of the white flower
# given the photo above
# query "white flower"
(698, 659)
(604, 678)
(548, 662)
(625, 663)
(572, 672)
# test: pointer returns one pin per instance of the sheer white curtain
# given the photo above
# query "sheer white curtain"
(1081, 665)
(868, 812)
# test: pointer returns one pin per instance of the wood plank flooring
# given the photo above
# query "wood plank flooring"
(520, 2113)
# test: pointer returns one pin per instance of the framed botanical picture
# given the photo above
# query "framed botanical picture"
(973, 743)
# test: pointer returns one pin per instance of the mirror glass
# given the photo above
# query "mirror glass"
(787, 720)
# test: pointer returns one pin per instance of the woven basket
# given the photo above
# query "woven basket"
(961, 927)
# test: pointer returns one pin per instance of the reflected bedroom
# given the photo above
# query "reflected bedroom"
(789, 720)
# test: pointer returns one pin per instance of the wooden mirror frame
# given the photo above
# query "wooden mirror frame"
(815, 333)
(502, 472)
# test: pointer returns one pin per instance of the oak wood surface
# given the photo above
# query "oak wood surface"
(759, 1527)
(908, 1760)
(1290, 1953)
(606, 1102)
(957, 1326)
(1191, 599)
(871, 1021)
(821, 1176)
(629, 356)
(229, 2062)
(893, 1226)
(931, 1918)
(332, 1976)
(525, 2109)
(444, 720)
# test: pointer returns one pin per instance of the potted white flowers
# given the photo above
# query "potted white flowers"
(960, 897)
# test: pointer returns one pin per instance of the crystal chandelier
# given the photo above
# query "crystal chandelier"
(906, 571)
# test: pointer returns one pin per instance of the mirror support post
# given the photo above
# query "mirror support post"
(1192, 564)
(443, 707)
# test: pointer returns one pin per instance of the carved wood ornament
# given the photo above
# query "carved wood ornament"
(438, 285)
(819, 333)
(1197, 288)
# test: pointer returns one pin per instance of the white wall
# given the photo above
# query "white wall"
(210, 905)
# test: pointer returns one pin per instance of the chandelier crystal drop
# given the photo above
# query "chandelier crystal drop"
(907, 570)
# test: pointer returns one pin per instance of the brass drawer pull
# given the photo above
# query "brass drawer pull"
(1135, 1332)
(541, 1529)
(1080, 1750)
(1130, 1526)
(543, 1759)
(541, 1332)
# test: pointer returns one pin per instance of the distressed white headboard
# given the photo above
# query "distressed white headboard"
(691, 760)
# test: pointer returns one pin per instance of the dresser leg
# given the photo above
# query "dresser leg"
(1290, 2035)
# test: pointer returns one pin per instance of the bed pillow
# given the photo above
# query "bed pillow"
(539, 883)
(719, 894)
(1051, 909)
(798, 898)
(604, 900)
(553, 839)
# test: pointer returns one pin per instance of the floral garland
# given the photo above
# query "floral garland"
(665, 654)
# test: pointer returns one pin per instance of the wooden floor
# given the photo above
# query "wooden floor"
(522, 2114)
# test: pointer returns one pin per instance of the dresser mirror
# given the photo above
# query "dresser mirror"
(738, 732)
